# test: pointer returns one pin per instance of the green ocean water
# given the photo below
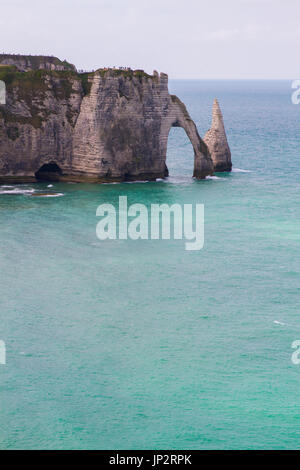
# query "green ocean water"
(123, 344)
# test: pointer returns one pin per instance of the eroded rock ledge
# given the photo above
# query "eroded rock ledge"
(102, 126)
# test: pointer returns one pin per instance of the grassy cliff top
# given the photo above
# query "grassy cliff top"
(35, 61)
(31, 88)
(127, 73)
(30, 85)
(50, 64)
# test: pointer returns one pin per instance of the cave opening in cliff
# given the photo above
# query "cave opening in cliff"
(49, 172)
(180, 153)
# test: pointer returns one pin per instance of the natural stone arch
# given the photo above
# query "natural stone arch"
(114, 128)
(179, 117)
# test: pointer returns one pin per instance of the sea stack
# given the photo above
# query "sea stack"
(216, 141)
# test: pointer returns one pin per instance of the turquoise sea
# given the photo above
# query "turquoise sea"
(141, 344)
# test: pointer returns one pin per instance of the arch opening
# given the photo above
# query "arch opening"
(180, 152)
(49, 172)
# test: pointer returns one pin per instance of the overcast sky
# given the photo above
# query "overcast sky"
(184, 38)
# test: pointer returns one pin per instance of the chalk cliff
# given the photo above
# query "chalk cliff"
(107, 125)
(216, 141)
(24, 63)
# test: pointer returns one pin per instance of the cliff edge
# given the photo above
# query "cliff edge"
(102, 126)
(24, 63)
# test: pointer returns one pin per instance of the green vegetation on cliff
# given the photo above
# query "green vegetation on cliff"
(86, 83)
(126, 73)
(35, 62)
(31, 87)
(34, 86)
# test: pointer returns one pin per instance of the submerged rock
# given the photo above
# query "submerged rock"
(46, 194)
(216, 141)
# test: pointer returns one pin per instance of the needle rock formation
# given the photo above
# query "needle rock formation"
(216, 141)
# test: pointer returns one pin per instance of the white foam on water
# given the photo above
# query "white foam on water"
(279, 323)
(137, 181)
(50, 186)
(133, 182)
(178, 179)
(213, 178)
(17, 191)
(240, 170)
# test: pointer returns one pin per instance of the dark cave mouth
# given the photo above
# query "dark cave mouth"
(49, 172)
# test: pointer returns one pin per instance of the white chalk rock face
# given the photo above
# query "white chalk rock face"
(216, 141)
(102, 126)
